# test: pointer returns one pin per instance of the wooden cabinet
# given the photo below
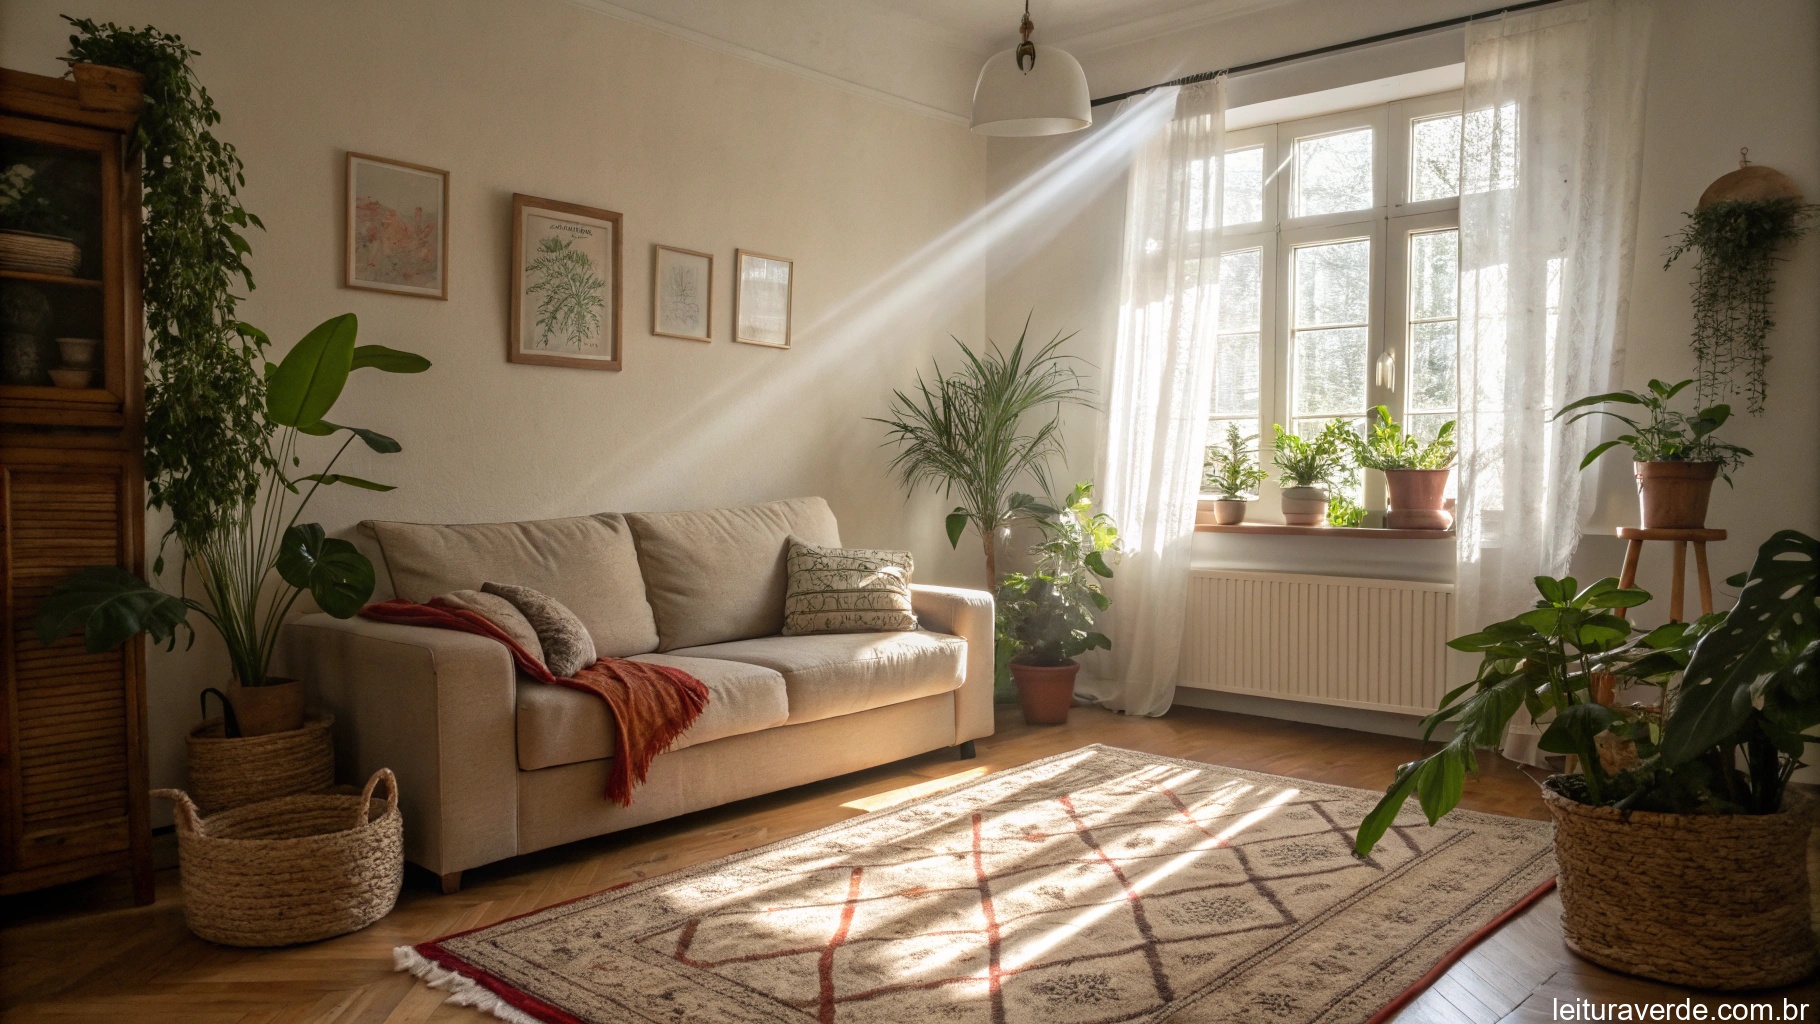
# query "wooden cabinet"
(72, 493)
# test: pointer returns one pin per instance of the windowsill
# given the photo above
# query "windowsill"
(1347, 532)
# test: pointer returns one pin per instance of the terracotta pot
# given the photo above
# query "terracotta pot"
(1674, 495)
(1229, 511)
(99, 87)
(1046, 692)
(262, 710)
(1304, 506)
(1416, 501)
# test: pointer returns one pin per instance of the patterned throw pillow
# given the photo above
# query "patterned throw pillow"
(500, 612)
(847, 590)
(567, 647)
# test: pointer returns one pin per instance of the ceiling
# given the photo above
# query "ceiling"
(991, 25)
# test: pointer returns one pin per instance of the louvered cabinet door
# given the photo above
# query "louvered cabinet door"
(73, 786)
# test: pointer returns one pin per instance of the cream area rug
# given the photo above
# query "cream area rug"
(1091, 887)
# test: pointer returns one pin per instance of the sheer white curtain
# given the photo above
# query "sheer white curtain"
(1157, 398)
(1551, 160)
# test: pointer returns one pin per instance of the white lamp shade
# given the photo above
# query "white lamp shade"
(1049, 99)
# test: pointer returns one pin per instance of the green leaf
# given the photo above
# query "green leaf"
(957, 525)
(1384, 814)
(1599, 449)
(1624, 397)
(1552, 590)
(1574, 728)
(1097, 562)
(1440, 782)
(389, 360)
(312, 374)
(335, 573)
(330, 479)
(109, 605)
(372, 438)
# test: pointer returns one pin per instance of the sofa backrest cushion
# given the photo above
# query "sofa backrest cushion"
(588, 563)
(716, 575)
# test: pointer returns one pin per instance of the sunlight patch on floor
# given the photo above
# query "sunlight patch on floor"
(905, 794)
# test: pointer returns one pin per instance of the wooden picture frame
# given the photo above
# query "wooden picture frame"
(757, 319)
(584, 329)
(392, 242)
(682, 293)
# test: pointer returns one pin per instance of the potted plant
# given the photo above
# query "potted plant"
(33, 230)
(1309, 464)
(1686, 861)
(967, 431)
(1414, 473)
(257, 536)
(1048, 614)
(1675, 454)
(1232, 472)
(1345, 512)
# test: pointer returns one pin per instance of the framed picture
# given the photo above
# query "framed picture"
(682, 294)
(397, 227)
(761, 299)
(565, 285)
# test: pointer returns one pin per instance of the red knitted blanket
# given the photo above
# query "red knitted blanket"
(652, 704)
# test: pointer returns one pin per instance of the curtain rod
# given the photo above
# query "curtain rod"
(1207, 76)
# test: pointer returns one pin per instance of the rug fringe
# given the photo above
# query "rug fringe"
(463, 991)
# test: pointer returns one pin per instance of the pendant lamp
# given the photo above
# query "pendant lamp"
(1031, 90)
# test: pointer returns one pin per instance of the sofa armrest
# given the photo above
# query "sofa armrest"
(967, 614)
(437, 707)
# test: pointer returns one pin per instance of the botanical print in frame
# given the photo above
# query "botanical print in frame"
(397, 227)
(762, 288)
(565, 285)
(682, 294)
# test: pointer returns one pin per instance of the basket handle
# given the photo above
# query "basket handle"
(183, 810)
(366, 795)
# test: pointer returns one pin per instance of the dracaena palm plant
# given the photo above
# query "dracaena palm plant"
(981, 429)
(257, 536)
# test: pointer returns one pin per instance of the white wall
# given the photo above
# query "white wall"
(695, 147)
(1717, 81)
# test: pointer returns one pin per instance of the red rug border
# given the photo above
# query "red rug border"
(527, 1003)
(1454, 956)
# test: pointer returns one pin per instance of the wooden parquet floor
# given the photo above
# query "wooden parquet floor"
(84, 953)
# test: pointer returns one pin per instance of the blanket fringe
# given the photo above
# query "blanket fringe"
(463, 991)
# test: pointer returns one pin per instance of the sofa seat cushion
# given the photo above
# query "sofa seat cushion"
(588, 563)
(831, 674)
(558, 725)
(714, 575)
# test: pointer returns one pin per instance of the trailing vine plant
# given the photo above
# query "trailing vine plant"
(206, 433)
(1734, 274)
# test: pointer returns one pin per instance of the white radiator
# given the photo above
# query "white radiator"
(1362, 643)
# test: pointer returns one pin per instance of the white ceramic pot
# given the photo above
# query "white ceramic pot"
(1229, 511)
(78, 353)
(1304, 506)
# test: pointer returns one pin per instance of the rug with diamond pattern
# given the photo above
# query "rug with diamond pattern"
(1091, 887)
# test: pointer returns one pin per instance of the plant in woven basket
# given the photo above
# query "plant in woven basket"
(1734, 274)
(258, 535)
(1231, 469)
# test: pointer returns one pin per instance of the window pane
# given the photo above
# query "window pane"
(1333, 283)
(1434, 352)
(1241, 289)
(1426, 425)
(1490, 149)
(1330, 372)
(1434, 161)
(1235, 375)
(1244, 199)
(1333, 173)
(1434, 275)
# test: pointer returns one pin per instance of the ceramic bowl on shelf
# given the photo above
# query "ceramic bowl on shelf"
(72, 377)
(78, 353)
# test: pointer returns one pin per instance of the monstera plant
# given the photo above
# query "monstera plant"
(259, 536)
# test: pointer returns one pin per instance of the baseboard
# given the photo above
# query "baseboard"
(1384, 723)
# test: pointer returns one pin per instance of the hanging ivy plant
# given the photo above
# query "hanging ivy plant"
(205, 429)
(1734, 274)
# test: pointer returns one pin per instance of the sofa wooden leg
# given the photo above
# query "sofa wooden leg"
(967, 751)
(451, 883)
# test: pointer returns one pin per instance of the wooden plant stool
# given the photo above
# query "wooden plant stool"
(1605, 685)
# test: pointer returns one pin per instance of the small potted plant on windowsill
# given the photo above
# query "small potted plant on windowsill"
(1308, 464)
(1675, 455)
(1232, 473)
(1415, 473)
(1047, 615)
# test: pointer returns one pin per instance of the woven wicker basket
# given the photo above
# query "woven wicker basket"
(226, 773)
(42, 254)
(295, 869)
(1709, 901)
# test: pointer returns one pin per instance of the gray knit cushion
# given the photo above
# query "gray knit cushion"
(847, 590)
(567, 647)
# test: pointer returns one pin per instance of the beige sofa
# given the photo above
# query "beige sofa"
(491, 764)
